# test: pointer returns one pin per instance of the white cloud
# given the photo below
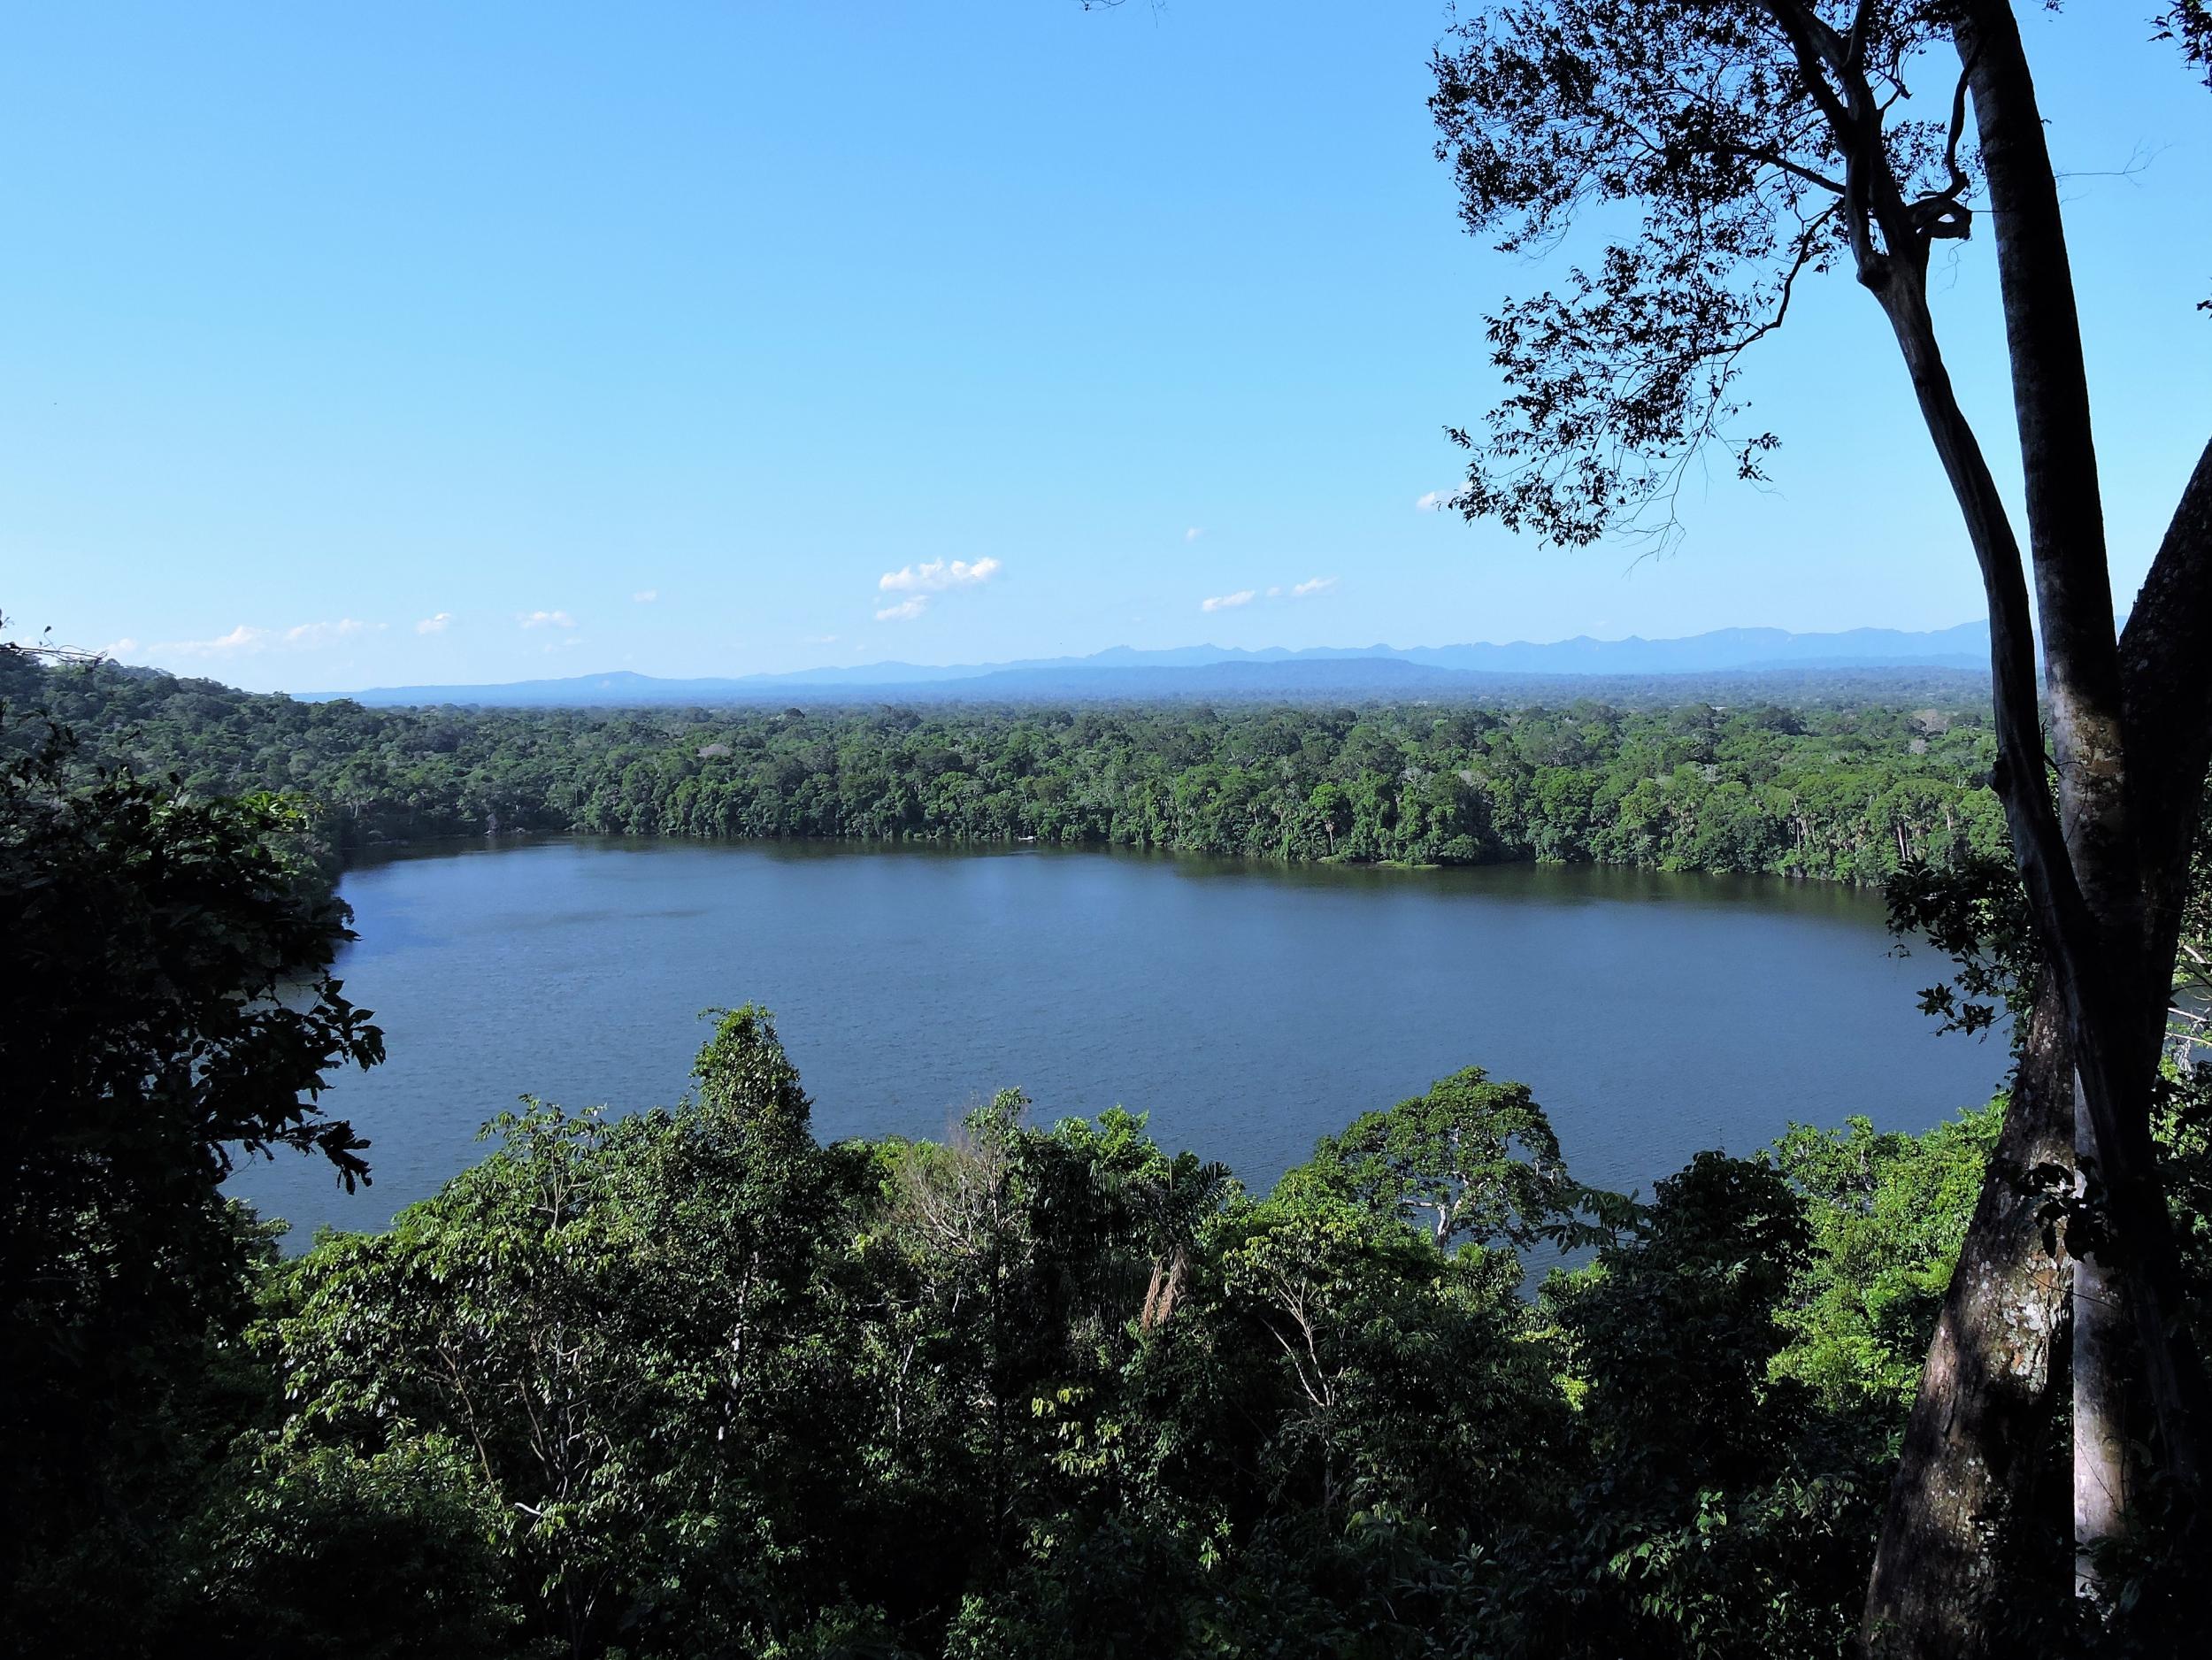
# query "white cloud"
(322, 633)
(1435, 501)
(564, 644)
(245, 637)
(120, 647)
(817, 639)
(1306, 589)
(646, 596)
(1192, 533)
(937, 576)
(436, 625)
(246, 640)
(545, 619)
(905, 610)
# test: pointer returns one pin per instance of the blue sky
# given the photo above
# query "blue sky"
(369, 345)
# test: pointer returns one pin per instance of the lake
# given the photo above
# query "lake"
(1248, 1008)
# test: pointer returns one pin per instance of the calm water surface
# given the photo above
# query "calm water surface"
(1249, 1009)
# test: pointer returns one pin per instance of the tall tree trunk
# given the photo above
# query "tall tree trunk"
(1983, 1413)
(2089, 895)
(2104, 864)
(2101, 1340)
(2170, 703)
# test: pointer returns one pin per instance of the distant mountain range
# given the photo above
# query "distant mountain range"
(1123, 672)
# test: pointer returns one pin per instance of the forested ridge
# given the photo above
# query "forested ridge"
(690, 1382)
(1847, 791)
(686, 1381)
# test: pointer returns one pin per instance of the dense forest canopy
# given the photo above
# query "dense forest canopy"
(1845, 790)
(686, 1381)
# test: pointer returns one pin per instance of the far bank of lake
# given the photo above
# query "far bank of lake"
(1248, 1009)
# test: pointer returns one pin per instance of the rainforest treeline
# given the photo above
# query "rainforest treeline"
(1847, 791)
(688, 1382)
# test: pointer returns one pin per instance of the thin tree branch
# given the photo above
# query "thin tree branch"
(1750, 153)
(1817, 48)
(1958, 127)
(1855, 46)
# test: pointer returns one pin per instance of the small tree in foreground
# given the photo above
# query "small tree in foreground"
(1763, 142)
(1471, 1160)
(166, 1000)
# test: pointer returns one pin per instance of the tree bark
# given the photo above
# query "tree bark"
(2096, 936)
(2102, 1341)
(2058, 455)
(1163, 1295)
(2103, 875)
(1970, 1453)
(2162, 654)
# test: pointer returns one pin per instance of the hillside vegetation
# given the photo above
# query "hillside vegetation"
(691, 1382)
(1843, 791)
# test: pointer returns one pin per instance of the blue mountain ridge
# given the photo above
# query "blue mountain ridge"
(1127, 672)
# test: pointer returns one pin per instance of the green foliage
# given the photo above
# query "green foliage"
(1730, 1517)
(1477, 1160)
(1888, 1212)
(1976, 912)
(748, 1083)
(688, 1382)
(306, 1551)
(166, 1006)
(1847, 791)
(2181, 1127)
